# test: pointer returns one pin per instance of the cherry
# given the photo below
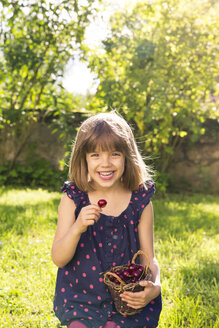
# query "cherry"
(114, 279)
(132, 266)
(102, 203)
(134, 279)
(127, 273)
(119, 273)
(136, 273)
(141, 268)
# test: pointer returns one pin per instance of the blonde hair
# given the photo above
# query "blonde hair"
(107, 131)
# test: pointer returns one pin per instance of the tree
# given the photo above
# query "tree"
(158, 68)
(37, 40)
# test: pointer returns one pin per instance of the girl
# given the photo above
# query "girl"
(105, 164)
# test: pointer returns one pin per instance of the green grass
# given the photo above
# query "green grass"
(186, 244)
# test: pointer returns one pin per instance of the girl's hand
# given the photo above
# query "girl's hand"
(139, 300)
(88, 216)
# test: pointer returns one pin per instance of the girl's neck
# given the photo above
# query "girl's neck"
(108, 191)
(117, 199)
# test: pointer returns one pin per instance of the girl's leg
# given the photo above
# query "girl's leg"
(110, 324)
(77, 324)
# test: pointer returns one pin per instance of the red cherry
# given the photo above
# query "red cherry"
(102, 203)
(127, 273)
(134, 279)
(132, 266)
(114, 279)
(141, 268)
(136, 273)
(125, 276)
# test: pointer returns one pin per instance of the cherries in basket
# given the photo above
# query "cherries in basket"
(131, 274)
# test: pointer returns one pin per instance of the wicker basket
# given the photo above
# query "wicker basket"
(117, 289)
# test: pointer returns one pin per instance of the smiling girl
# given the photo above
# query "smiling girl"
(105, 164)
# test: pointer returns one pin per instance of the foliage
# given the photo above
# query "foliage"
(187, 252)
(36, 172)
(158, 68)
(37, 39)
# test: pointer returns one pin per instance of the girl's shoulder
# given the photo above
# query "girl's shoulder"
(143, 195)
(146, 188)
(73, 192)
(68, 185)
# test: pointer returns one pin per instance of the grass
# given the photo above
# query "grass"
(186, 244)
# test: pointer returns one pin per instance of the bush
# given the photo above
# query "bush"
(34, 173)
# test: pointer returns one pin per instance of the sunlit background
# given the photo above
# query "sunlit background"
(78, 78)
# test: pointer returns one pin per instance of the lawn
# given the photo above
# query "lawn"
(186, 245)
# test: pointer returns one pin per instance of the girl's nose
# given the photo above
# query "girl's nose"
(105, 159)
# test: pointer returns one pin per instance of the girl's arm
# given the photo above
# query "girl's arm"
(146, 238)
(69, 230)
(152, 289)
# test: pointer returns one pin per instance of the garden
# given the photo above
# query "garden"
(157, 67)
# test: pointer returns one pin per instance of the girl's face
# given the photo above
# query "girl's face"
(105, 168)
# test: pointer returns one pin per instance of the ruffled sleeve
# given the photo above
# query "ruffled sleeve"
(143, 196)
(74, 193)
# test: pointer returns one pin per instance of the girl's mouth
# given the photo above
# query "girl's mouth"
(107, 175)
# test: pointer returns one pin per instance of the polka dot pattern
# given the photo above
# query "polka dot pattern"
(81, 294)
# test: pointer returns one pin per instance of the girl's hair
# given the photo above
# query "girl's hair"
(107, 132)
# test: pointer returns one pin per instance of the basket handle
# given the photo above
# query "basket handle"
(116, 276)
(141, 253)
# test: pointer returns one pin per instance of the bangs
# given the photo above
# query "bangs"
(103, 138)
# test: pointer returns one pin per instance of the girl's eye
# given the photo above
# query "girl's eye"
(116, 154)
(94, 155)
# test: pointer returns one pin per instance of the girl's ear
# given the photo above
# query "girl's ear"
(88, 177)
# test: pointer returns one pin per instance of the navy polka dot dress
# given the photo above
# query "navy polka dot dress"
(81, 294)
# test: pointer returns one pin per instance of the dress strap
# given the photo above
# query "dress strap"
(143, 196)
(79, 197)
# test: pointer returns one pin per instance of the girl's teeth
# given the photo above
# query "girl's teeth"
(106, 174)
